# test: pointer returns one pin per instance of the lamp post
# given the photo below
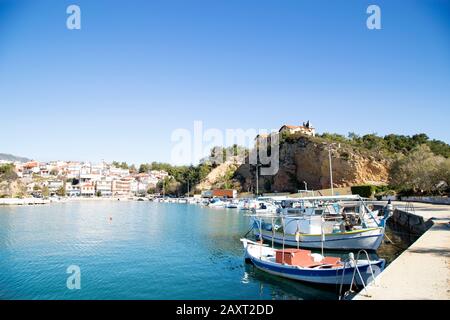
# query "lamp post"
(188, 187)
(257, 179)
(306, 185)
(330, 148)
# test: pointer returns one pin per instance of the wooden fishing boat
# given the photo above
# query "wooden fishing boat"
(302, 265)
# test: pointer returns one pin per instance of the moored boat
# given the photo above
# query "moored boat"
(264, 207)
(368, 239)
(323, 222)
(232, 205)
(216, 203)
(302, 265)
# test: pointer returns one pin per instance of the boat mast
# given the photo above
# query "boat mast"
(322, 233)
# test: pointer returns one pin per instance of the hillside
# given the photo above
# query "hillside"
(10, 157)
(356, 160)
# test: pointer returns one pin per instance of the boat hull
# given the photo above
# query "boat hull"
(332, 276)
(367, 239)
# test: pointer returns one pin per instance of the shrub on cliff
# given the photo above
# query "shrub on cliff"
(391, 144)
(7, 172)
(365, 191)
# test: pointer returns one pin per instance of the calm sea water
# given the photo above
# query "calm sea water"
(134, 250)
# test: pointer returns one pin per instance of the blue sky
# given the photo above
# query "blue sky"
(137, 70)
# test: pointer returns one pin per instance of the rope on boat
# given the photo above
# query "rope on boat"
(389, 239)
(351, 260)
(251, 229)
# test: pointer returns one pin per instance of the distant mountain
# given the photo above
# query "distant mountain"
(10, 157)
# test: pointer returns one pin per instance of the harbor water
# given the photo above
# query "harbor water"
(138, 250)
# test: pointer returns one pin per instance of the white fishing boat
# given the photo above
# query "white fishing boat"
(264, 207)
(302, 265)
(232, 205)
(216, 203)
(246, 204)
(323, 221)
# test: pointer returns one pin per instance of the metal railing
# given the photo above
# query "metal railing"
(352, 262)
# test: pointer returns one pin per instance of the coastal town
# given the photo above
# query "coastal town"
(225, 158)
(84, 179)
(74, 179)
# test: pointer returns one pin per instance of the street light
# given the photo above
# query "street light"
(330, 148)
(306, 185)
(188, 188)
(257, 179)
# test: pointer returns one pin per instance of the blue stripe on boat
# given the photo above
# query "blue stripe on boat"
(313, 272)
(326, 240)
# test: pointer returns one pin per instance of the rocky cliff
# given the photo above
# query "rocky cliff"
(222, 176)
(306, 159)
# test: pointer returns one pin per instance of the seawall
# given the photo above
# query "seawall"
(422, 272)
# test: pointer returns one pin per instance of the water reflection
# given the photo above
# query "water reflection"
(284, 289)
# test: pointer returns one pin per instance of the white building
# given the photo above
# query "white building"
(306, 129)
(85, 168)
(73, 190)
(104, 187)
(119, 172)
(87, 189)
(73, 170)
(55, 185)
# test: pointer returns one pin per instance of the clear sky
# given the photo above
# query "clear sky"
(137, 70)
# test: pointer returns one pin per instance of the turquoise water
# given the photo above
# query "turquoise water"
(147, 251)
(134, 250)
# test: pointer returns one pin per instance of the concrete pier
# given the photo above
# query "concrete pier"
(24, 201)
(422, 272)
(417, 217)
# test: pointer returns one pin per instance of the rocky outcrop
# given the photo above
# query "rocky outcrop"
(306, 159)
(12, 189)
(222, 176)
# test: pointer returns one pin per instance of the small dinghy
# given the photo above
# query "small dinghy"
(302, 265)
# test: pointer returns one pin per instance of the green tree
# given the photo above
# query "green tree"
(45, 191)
(144, 168)
(151, 190)
(421, 171)
(61, 192)
(7, 172)
(121, 165)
